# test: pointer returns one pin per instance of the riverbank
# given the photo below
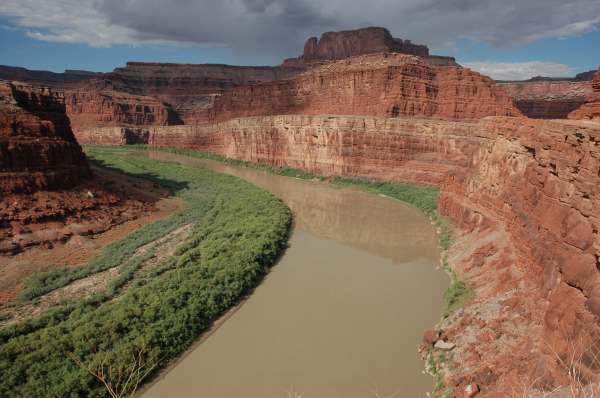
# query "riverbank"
(155, 307)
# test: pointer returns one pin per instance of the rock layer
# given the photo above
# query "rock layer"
(38, 148)
(189, 89)
(375, 85)
(591, 109)
(548, 99)
(416, 150)
(96, 104)
(528, 207)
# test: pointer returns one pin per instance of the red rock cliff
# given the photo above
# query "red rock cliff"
(37, 146)
(189, 89)
(591, 109)
(97, 104)
(529, 211)
(47, 193)
(416, 150)
(376, 85)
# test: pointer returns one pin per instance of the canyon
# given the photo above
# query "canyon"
(591, 108)
(524, 193)
(548, 99)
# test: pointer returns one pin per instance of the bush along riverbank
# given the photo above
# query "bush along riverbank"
(108, 342)
(425, 198)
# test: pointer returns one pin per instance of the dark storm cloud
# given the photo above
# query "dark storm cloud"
(274, 28)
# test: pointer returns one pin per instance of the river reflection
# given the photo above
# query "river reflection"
(340, 315)
(350, 216)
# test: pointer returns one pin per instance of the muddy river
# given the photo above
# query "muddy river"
(340, 315)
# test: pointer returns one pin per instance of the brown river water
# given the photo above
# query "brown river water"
(340, 315)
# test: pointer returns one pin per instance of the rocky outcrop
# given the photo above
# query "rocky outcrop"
(548, 99)
(37, 146)
(97, 104)
(376, 85)
(350, 43)
(591, 109)
(528, 208)
(400, 149)
(47, 193)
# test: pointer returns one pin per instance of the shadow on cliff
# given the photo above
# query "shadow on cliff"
(170, 187)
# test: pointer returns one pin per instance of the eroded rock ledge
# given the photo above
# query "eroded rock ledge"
(591, 109)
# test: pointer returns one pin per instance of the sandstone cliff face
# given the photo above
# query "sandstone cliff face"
(529, 210)
(591, 109)
(376, 85)
(37, 146)
(548, 99)
(96, 104)
(416, 150)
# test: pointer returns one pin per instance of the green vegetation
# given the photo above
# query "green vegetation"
(282, 171)
(436, 360)
(239, 230)
(457, 295)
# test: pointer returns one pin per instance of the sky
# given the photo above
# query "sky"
(508, 39)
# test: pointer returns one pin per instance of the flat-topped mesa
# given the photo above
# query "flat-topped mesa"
(387, 85)
(37, 146)
(349, 43)
(591, 109)
(334, 46)
(68, 78)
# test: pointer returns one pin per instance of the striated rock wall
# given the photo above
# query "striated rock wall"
(529, 210)
(548, 99)
(37, 148)
(97, 105)
(591, 109)
(417, 150)
(376, 85)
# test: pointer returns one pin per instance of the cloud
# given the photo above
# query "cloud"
(520, 70)
(279, 27)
